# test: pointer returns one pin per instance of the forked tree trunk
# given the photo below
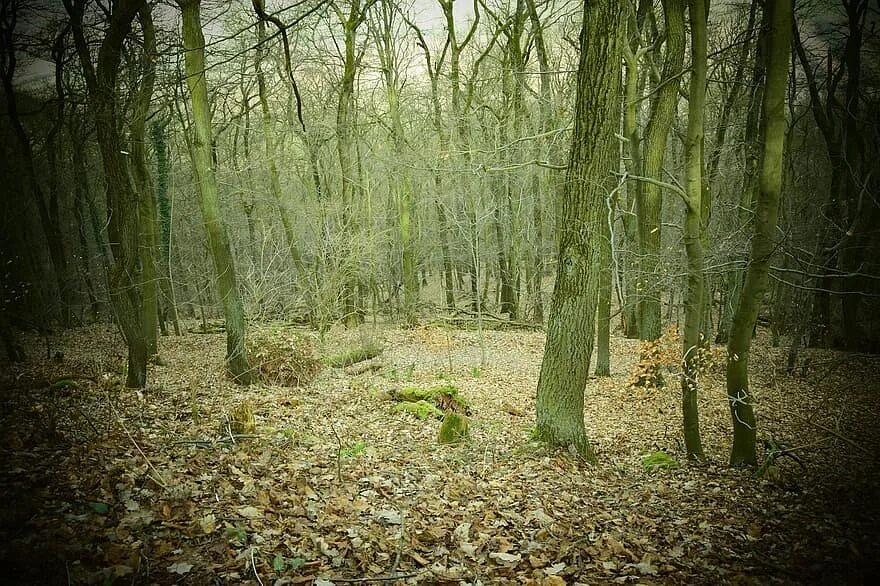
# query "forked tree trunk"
(124, 276)
(764, 241)
(649, 204)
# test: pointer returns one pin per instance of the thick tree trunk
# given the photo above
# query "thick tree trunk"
(200, 151)
(764, 240)
(565, 367)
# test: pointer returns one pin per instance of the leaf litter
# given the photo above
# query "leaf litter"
(104, 484)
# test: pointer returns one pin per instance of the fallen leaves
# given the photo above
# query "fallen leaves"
(335, 485)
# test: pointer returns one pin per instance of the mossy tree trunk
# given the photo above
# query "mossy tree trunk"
(148, 250)
(764, 240)
(693, 231)
(649, 202)
(569, 344)
(123, 226)
(200, 152)
(163, 202)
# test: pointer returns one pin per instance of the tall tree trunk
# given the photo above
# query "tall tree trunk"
(163, 202)
(347, 163)
(750, 154)
(764, 240)
(650, 203)
(124, 277)
(48, 213)
(401, 190)
(144, 185)
(200, 151)
(693, 231)
(569, 344)
(272, 165)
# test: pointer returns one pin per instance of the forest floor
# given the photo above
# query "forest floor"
(107, 485)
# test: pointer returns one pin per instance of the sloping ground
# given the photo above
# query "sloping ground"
(105, 484)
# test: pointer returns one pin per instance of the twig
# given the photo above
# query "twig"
(833, 432)
(385, 578)
(399, 542)
(338, 454)
(158, 477)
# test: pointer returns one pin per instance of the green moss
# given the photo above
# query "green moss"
(421, 409)
(454, 429)
(658, 460)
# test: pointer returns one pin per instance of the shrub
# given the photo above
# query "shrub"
(665, 353)
(282, 357)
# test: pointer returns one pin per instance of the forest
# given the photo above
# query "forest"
(472, 292)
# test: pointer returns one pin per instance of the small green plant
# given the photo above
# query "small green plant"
(476, 372)
(353, 451)
(235, 535)
(659, 460)
(281, 563)
(421, 409)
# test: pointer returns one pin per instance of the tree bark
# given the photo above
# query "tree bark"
(144, 185)
(694, 228)
(123, 226)
(569, 344)
(200, 151)
(764, 240)
(649, 204)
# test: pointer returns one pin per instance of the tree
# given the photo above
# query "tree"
(569, 343)
(764, 241)
(123, 226)
(144, 183)
(390, 56)
(203, 170)
(47, 211)
(649, 202)
(694, 228)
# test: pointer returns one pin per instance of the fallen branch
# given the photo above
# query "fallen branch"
(833, 432)
(158, 478)
(384, 578)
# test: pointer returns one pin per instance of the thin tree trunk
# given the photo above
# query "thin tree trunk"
(764, 241)
(694, 229)
(200, 151)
